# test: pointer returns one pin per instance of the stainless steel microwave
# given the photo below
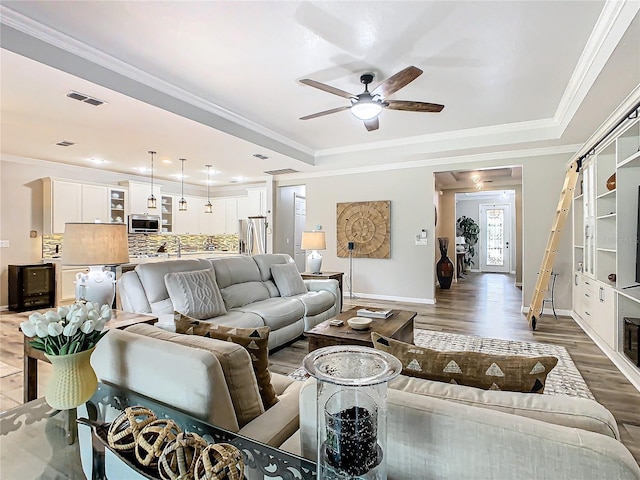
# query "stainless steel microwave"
(144, 223)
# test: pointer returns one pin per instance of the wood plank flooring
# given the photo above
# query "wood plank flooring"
(488, 305)
(481, 304)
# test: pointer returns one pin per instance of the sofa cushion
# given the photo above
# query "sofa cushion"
(233, 270)
(255, 340)
(236, 366)
(559, 409)
(241, 294)
(288, 279)
(316, 302)
(276, 312)
(491, 372)
(195, 293)
(265, 260)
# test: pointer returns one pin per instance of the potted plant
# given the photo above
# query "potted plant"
(469, 229)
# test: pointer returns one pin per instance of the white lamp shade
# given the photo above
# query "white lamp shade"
(95, 244)
(313, 241)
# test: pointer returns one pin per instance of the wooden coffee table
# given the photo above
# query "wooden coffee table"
(398, 326)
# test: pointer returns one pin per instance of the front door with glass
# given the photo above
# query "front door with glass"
(495, 233)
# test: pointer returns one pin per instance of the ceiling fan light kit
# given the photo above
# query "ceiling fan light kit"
(368, 105)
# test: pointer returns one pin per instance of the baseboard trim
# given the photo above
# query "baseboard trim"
(392, 298)
(621, 363)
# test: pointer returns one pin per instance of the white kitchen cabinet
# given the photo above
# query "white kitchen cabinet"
(186, 221)
(231, 215)
(66, 287)
(167, 213)
(214, 223)
(95, 203)
(604, 319)
(243, 207)
(117, 204)
(257, 199)
(65, 201)
(138, 195)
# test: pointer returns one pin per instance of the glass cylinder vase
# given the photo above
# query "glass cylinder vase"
(351, 410)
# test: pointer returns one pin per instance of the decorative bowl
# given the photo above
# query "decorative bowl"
(359, 323)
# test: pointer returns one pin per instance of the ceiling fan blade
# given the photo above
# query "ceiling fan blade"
(397, 81)
(372, 124)
(326, 112)
(326, 88)
(410, 106)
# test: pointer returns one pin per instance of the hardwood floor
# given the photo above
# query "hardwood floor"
(481, 304)
(489, 305)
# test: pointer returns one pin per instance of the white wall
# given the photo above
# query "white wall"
(410, 274)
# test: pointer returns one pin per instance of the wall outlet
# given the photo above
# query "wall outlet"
(4, 243)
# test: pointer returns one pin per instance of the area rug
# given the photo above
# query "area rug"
(564, 379)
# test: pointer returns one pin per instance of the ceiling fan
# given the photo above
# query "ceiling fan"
(368, 105)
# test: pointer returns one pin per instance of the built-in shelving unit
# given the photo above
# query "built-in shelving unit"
(167, 214)
(605, 216)
(116, 205)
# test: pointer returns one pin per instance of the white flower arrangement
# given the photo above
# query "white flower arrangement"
(67, 330)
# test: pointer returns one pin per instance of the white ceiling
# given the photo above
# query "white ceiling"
(216, 82)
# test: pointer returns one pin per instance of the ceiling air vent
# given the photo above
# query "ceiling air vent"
(64, 143)
(260, 156)
(85, 98)
(282, 171)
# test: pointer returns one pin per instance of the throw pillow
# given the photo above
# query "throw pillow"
(254, 340)
(288, 279)
(195, 293)
(515, 373)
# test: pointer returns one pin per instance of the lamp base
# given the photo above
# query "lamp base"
(96, 286)
(314, 261)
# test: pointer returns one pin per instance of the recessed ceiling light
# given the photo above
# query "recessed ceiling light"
(142, 169)
(167, 161)
(97, 161)
(180, 176)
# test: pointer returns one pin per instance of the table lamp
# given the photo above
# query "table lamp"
(314, 241)
(95, 245)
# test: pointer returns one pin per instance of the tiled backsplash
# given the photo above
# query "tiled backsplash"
(146, 244)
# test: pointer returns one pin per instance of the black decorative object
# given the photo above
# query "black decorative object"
(444, 267)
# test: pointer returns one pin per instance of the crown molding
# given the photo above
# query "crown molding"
(69, 44)
(608, 30)
(613, 22)
(445, 162)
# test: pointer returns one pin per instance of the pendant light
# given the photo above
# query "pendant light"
(151, 201)
(208, 208)
(182, 204)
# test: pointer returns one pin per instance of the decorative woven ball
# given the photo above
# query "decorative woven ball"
(220, 461)
(178, 459)
(152, 440)
(126, 427)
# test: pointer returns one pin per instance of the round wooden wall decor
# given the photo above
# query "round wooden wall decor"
(367, 225)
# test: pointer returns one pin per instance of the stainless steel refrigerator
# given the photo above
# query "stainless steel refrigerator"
(252, 235)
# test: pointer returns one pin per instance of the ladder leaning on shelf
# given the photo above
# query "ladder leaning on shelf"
(562, 212)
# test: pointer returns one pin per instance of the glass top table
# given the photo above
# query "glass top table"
(33, 442)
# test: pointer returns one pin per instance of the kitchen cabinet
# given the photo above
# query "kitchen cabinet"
(167, 213)
(257, 200)
(138, 195)
(231, 216)
(186, 221)
(117, 199)
(65, 201)
(243, 207)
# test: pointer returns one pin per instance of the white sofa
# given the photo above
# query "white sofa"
(442, 431)
(248, 290)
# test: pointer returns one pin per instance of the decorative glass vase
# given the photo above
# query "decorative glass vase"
(444, 267)
(352, 410)
(73, 380)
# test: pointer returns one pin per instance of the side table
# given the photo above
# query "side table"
(324, 276)
(119, 320)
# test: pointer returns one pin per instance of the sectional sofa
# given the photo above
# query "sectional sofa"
(250, 294)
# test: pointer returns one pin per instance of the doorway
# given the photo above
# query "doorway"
(495, 237)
